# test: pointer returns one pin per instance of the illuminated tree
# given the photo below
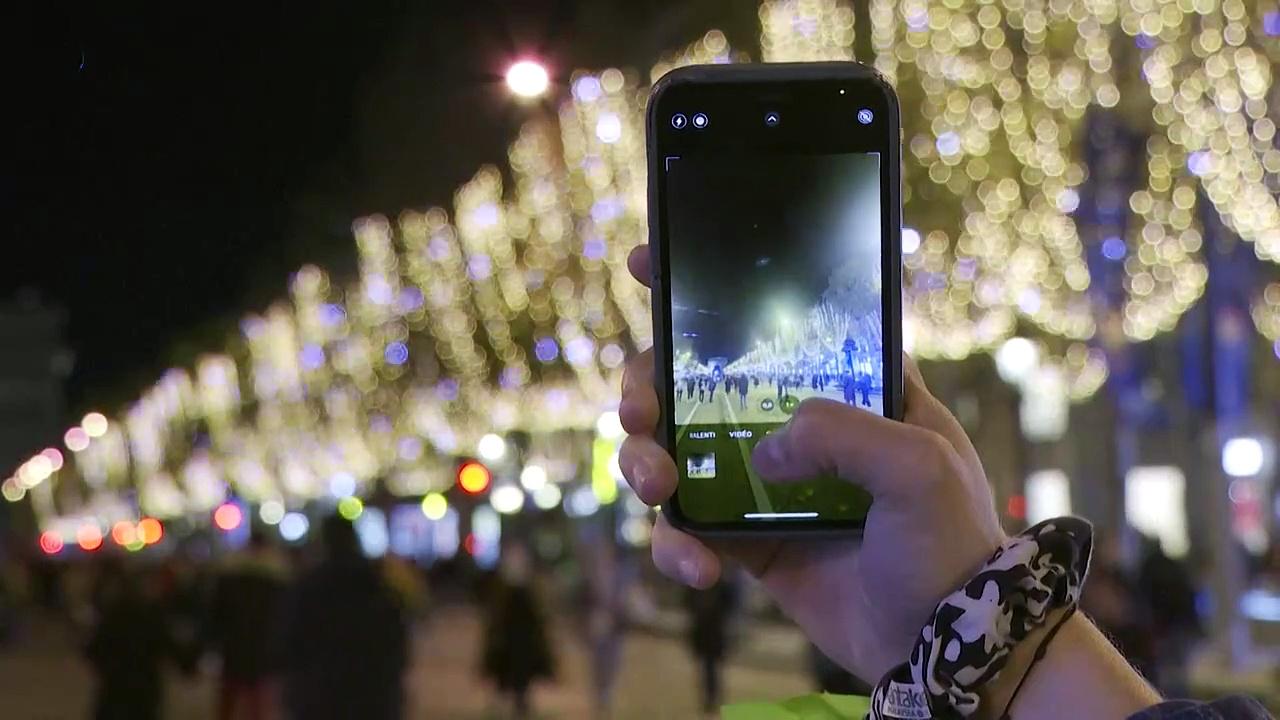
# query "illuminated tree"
(514, 310)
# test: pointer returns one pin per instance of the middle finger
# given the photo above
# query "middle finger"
(648, 468)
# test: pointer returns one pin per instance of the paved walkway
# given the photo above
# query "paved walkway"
(43, 678)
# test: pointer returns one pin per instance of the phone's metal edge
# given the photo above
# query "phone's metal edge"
(892, 288)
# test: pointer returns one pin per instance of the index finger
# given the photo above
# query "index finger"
(640, 265)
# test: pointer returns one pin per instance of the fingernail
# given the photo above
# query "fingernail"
(689, 572)
(640, 475)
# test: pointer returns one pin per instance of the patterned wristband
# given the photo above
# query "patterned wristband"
(968, 640)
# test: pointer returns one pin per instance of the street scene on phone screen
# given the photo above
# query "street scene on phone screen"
(777, 289)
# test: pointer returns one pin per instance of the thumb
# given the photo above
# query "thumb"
(893, 461)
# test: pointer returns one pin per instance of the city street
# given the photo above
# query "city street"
(42, 677)
(761, 405)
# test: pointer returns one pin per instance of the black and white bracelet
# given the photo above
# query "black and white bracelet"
(968, 640)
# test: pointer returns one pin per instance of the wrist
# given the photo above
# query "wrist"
(972, 655)
(1080, 675)
(996, 695)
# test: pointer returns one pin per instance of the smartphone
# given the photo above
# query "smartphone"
(775, 217)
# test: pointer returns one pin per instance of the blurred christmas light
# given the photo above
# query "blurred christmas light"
(492, 447)
(507, 499)
(150, 531)
(910, 240)
(533, 477)
(1242, 457)
(89, 537)
(50, 543)
(547, 497)
(124, 533)
(94, 424)
(271, 512)
(12, 490)
(350, 508)
(227, 517)
(1016, 359)
(581, 502)
(76, 439)
(342, 484)
(609, 426)
(54, 457)
(294, 526)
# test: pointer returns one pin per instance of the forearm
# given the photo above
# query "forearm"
(1080, 676)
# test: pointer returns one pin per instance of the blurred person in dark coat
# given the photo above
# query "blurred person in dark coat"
(608, 576)
(710, 611)
(345, 638)
(831, 678)
(128, 645)
(1170, 596)
(516, 651)
(245, 630)
(1112, 600)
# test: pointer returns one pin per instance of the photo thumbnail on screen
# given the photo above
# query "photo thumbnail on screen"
(776, 297)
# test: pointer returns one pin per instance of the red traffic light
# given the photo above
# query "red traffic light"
(50, 542)
(473, 477)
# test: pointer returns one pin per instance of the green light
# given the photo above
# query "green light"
(604, 482)
(434, 506)
(350, 507)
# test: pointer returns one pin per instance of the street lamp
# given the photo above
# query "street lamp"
(527, 79)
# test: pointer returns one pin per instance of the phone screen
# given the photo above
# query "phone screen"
(775, 277)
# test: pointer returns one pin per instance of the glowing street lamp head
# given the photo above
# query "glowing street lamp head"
(527, 79)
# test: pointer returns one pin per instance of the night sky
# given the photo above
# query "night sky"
(170, 165)
(754, 235)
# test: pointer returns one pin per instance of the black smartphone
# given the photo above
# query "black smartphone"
(775, 217)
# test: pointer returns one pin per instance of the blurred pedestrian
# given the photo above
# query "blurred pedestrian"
(1170, 595)
(408, 583)
(710, 611)
(127, 646)
(607, 578)
(345, 636)
(850, 387)
(831, 678)
(246, 632)
(516, 651)
(1112, 600)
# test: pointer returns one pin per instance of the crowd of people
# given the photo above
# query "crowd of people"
(327, 635)
(856, 387)
(323, 641)
(322, 631)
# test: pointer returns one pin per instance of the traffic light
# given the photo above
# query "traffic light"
(474, 477)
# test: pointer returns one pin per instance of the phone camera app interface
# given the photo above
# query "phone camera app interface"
(775, 298)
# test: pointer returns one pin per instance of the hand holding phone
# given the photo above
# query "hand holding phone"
(775, 218)
(933, 522)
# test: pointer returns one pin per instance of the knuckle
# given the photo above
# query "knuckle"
(936, 460)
